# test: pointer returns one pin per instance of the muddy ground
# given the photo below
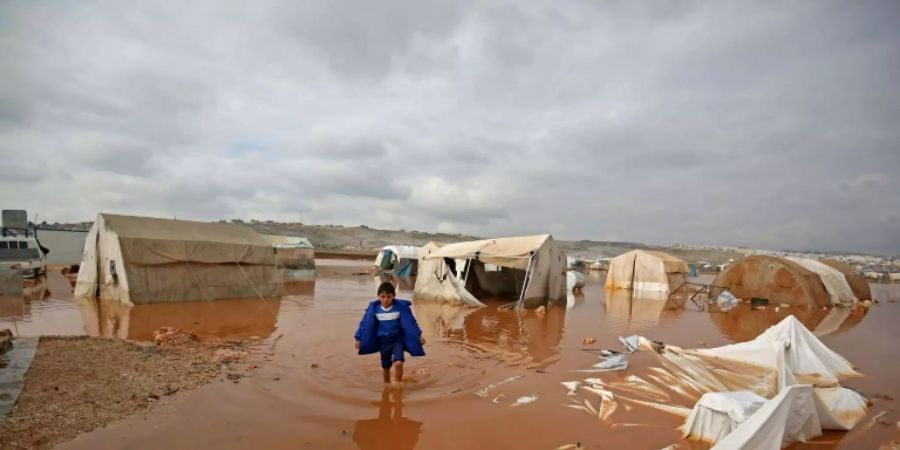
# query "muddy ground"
(78, 384)
(313, 391)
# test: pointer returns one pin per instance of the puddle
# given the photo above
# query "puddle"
(316, 392)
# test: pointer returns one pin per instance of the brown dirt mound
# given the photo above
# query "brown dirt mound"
(78, 384)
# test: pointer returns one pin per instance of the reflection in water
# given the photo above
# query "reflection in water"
(390, 430)
(235, 318)
(514, 336)
(624, 306)
(743, 323)
(16, 306)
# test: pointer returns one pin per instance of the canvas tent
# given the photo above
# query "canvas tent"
(146, 260)
(649, 272)
(857, 281)
(402, 259)
(777, 279)
(529, 269)
(294, 256)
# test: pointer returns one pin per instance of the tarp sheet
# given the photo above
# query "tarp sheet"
(718, 413)
(835, 282)
(790, 416)
(514, 252)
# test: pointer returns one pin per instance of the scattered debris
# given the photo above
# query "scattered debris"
(497, 398)
(572, 386)
(588, 341)
(615, 362)
(726, 301)
(525, 399)
(631, 343)
(5, 340)
(484, 391)
(313, 366)
(574, 446)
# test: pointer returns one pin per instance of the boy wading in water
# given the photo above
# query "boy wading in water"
(389, 327)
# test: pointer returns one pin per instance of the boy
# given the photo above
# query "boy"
(389, 327)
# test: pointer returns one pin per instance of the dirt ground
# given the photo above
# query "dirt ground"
(77, 384)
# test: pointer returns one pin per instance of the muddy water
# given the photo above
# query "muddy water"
(316, 393)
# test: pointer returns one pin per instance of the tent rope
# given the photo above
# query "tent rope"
(250, 281)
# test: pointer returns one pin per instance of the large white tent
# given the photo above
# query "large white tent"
(148, 260)
(529, 269)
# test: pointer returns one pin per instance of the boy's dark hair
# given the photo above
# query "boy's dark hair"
(386, 288)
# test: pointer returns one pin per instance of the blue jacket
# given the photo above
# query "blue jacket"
(367, 333)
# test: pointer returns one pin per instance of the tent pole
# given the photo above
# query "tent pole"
(521, 300)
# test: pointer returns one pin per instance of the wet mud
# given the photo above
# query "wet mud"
(315, 392)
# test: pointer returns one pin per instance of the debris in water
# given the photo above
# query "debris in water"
(572, 386)
(313, 366)
(631, 343)
(588, 341)
(525, 399)
(726, 301)
(574, 446)
(484, 391)
(615, 362)
(607, 407)
(497, 398)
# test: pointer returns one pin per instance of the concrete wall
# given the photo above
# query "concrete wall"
(65, 246)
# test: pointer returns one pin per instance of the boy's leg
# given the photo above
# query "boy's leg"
(387, 352)
(398, 371)
(398, 361)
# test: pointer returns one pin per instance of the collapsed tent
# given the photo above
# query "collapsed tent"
(147, 260)
(530, 269)
(294, 255)
(857, 281)
(401, 259)
(728, 387)
(646, 271)
(779, 280)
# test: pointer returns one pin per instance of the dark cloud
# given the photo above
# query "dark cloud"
(696, 122)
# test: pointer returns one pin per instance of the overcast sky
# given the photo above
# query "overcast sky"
(767, 124)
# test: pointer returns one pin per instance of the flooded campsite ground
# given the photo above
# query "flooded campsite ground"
(312, 391)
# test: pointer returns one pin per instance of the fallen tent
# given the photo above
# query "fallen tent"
(719, 413)
(529, 269)
(790, 416)
(401, 259)
(294, 256)
(772, 366)
(779, 280)
(649, 272)
(147, 260)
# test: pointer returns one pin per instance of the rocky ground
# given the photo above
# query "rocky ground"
(78, 384)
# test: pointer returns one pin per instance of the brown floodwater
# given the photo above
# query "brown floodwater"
(315, 392)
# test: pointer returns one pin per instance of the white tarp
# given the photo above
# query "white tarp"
(718, 413)
(805, 356)
(834, 281)
(790, 416)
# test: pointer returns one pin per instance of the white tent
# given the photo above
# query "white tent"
(530, 269)
(650, 272)
(294, 256)
(719, 413)
(834, 281)
(148, 260)
(790, 416)
(790, 348)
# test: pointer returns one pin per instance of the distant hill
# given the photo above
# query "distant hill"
(361, 237)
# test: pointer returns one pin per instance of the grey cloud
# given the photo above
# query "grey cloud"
(697, 122)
